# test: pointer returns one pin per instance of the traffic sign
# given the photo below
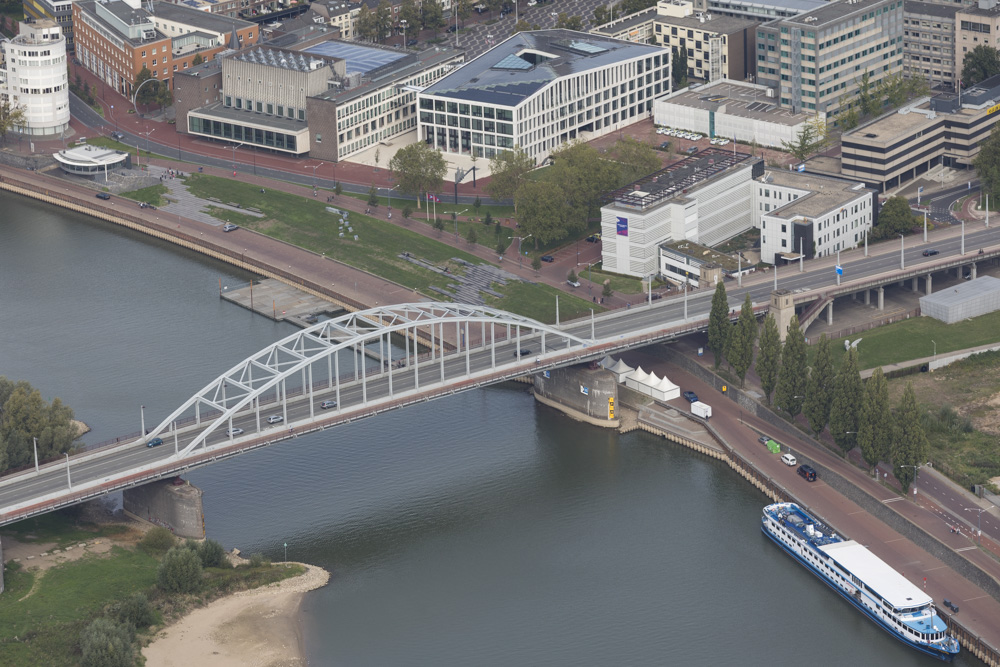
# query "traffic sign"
(840, 270)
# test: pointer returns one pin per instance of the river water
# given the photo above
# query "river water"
(482, 529)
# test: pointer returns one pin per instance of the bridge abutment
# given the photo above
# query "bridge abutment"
(581, 392)
(783, 307)
(176, 507)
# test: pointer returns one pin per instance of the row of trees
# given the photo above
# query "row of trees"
(26, 417)
(980, 64)
(12, 116)
(157, 93)
(987, 163)
(375, 25)
(874, 97)
(560, 205)
(857, 413)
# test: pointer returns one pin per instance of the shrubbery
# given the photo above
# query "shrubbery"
(157, 540)
(179, 571)
(134, 611)
(107, 643)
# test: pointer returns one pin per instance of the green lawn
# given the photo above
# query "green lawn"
(47, 623)
(444, 208)
(151, 195)
(539, 302)
(60, 527)
(619, 283)
(305, 222)
(911, 339)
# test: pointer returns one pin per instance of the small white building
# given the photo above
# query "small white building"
(705, 198)
(732, 110)
(34, 77)
(814, 215)
(92, 162)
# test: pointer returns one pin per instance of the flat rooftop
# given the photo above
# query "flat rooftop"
(893, 126)
(930, 9)
(295, 61)
(217, 23)
(756, 6)
(524, 63)
(702, 254)
(358, 57)
(414, 64)
(676, 180)
(739, 99)
(872, 570)
(639, 18)
(718, 23)
(825, 194)
(830, 13)
(219, 111)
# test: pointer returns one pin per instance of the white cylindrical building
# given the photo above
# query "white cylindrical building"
(35, 77)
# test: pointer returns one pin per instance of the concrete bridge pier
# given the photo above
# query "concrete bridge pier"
(915, 286)
(972, 274)
(868, 297)
(176, 507)
(928, 282)
(588, 395)
(881, 298)
(829, 313)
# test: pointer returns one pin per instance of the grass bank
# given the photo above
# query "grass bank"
(305, 222)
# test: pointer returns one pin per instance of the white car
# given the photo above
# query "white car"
(234, 431)
(725, 142)
(275, 419)
(788, 459)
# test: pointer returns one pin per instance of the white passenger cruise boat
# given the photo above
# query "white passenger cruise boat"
(861, 578)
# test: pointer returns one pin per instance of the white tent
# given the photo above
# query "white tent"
(636, 379)
(653, 387)
(621, 370)
(667, 390)
(606, 362)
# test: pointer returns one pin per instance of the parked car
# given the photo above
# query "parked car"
(593, 238)
(234, 431)
(155, 442)
(573, 283)
(548, 258)
(808, 472)
(948, 603)
(690, 396)
(930, 252)
(665, 145)
(788, 459)
(692, 150)
(326, 405)
(118, 136)
(228, 227)
(763, 439)
(103, 195)
(275, 419)
(411, 42)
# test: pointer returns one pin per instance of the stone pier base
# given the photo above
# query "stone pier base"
(581, 392)
(176, 507)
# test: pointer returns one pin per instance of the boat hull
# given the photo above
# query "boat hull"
(940, 655)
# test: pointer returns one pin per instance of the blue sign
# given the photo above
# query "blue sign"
(802, 167)
(840, 270)
(622, 226)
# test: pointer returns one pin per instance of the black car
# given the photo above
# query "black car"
(548, 258)
(593, 238)
(665, 145)
(690, 396)
(930, 252)
(118, 136)
(951, 605)
(763, 439)
(452, 28)
(103, 195)
(411, 42)
(525, 352)
(808, 472)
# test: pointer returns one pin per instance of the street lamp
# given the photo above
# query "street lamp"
(142, 419)
(314, 174)
(935, 350)
(403, 23)
(916, 469)
(902, 260)
(114, 116)
(69, 480)
(456, 224)
(389, 192)
(519, 239)
(979, 510)
(234, 147)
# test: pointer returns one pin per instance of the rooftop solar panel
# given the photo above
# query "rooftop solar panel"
(358, 58)
(586, 47)
(513, 62)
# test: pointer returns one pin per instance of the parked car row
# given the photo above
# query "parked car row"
(683, 134)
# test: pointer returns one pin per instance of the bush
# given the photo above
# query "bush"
(179, 571)
(407, 212)
(211, 554)
(107, 643)
(258, 560)
(157, 540)
(488, 220)
(135, 611)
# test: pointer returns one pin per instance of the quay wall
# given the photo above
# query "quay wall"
(579, 391)
(177, 508)
(969, 640)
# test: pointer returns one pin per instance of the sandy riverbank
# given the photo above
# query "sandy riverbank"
(256, 628)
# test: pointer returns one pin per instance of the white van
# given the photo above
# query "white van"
(788, 459)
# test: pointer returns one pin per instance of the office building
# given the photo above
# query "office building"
(33, 77)
(929, 43)
(815, 60)
(541, 89)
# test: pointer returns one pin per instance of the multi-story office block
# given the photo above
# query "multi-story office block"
(33, 77)
(541, 89)
(929, 43)
(816, 59)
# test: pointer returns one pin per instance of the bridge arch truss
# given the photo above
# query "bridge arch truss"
(307, 365)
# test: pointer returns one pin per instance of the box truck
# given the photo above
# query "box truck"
(703, 410)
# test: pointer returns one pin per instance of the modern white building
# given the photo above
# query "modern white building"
(93, 162)
(542, 89)
(732, 109)
(33, 77)
(811, 214)
(704, 199)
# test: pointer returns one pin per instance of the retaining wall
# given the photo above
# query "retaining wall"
(176, 508)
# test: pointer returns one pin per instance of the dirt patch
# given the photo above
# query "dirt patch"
(256, 627)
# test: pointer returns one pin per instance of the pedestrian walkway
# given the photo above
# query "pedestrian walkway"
(183, 203)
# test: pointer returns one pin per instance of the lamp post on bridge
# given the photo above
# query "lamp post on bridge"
(142, 420)
(979, 510)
